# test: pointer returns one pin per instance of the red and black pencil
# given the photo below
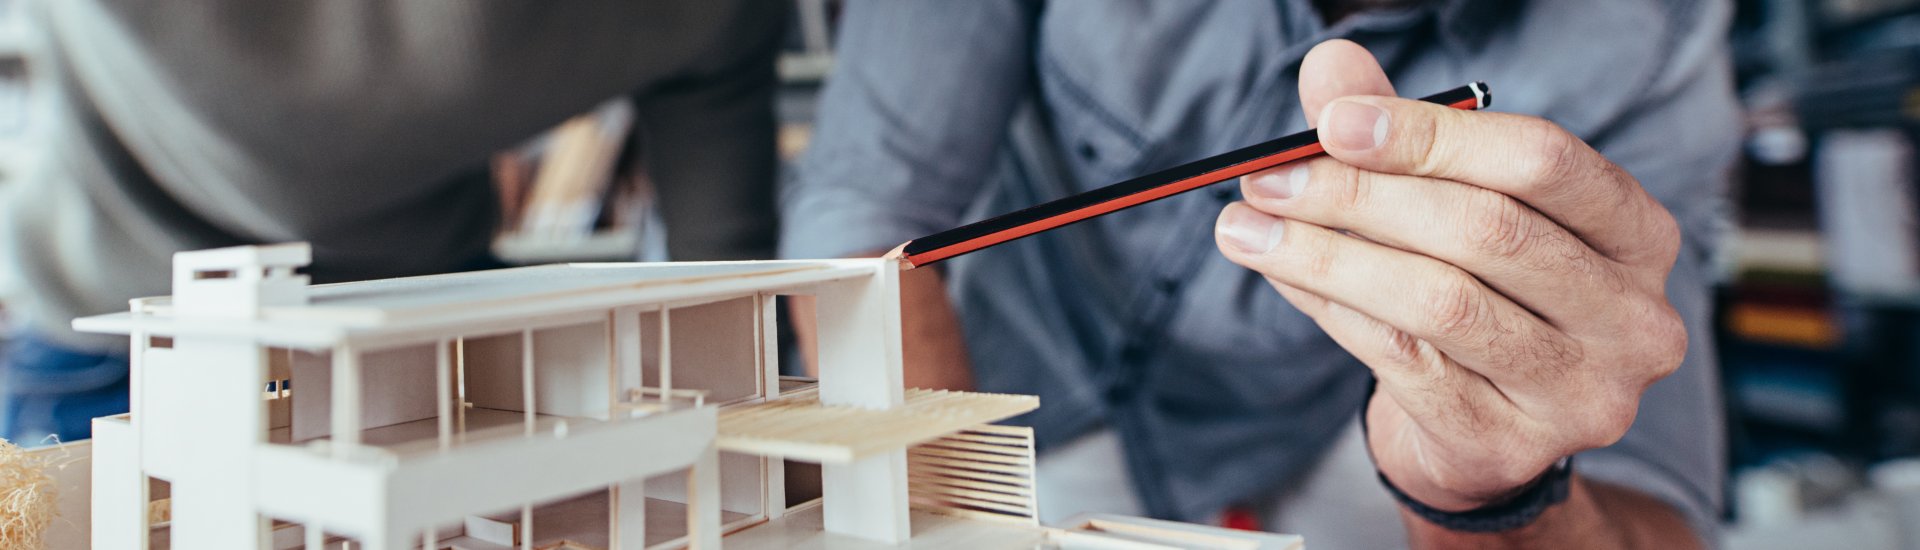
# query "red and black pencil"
(1140, 190)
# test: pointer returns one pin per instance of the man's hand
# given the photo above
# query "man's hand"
(1504, 281)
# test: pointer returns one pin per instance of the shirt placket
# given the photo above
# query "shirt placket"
(1177, 258)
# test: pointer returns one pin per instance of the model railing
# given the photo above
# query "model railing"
(649, 400)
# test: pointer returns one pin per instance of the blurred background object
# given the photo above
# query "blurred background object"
(579, 191)
(19, 42)
(1821, 289)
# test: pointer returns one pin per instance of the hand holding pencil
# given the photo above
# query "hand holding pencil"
(1502, 279)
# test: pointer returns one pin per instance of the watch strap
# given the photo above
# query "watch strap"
(1516, 511)
(1513, 513)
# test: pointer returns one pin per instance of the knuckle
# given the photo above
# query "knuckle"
(1664, 334)
(1400, 347)
(1666, 235)
(1608, 421)
(1554, 156)
(1431, 371)
(1497, 226)
(1454, 307)
(1319, 253)
(1427, 160)
(1356, 187)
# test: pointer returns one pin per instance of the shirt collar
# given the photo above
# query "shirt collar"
(1472, 22)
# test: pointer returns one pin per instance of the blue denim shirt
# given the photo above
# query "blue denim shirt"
(1220, 389)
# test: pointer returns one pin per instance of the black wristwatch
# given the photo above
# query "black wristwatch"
(1513, 513)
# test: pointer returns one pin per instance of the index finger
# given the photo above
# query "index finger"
(1527, 158)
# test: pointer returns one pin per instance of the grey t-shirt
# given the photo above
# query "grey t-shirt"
(1221, 391)
(364, 127)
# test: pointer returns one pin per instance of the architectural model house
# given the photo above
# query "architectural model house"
(607, 406)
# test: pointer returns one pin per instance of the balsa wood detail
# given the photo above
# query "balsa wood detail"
(985, 472)
(802, 428)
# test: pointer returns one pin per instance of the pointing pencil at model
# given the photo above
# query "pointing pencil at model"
(1497, 292)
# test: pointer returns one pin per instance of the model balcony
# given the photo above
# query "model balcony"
(799, 427)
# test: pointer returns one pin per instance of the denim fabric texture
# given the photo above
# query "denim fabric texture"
(47, 390)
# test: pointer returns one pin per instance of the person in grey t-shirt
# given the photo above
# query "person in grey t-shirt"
(1521, 290)
(363, 127)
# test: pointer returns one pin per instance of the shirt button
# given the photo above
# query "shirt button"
(1168, 285)
(1087, 152)
(1223, 193)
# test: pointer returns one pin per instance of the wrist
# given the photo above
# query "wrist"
(1479, 505)
(1436, 496)
(1424, 471)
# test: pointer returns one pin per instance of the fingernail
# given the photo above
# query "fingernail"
(1357, 126)
(1250, 231)
(1276, 186)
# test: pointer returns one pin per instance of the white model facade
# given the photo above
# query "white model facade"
(616, 406)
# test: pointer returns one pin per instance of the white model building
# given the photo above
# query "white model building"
(607, 406)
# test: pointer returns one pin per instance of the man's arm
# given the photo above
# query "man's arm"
(931, 344)
(916, 109)
(909, 123)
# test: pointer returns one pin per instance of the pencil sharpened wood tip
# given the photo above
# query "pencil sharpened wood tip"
(899, 254)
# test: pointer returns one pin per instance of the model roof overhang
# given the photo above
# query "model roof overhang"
(401, 311)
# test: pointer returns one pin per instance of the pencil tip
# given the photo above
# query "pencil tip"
(899, 254)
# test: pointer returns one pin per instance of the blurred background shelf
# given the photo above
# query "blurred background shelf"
(604, 246)
(1819, 309)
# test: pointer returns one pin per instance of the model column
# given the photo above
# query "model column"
(225, 417)
(860, 365)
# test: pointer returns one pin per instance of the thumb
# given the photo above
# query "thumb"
(1336, 69)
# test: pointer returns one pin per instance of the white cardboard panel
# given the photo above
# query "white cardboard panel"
(493, 372)
(714, 348)
(570, 371)
(397, 387)
(164, 395)
(740, 480)
(312, 394)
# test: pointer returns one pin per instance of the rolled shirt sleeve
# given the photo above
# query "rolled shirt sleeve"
(909, 123)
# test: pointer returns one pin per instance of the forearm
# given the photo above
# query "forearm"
(932, 346)
(1595, 515)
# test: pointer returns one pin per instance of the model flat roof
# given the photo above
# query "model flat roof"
(482, 301)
